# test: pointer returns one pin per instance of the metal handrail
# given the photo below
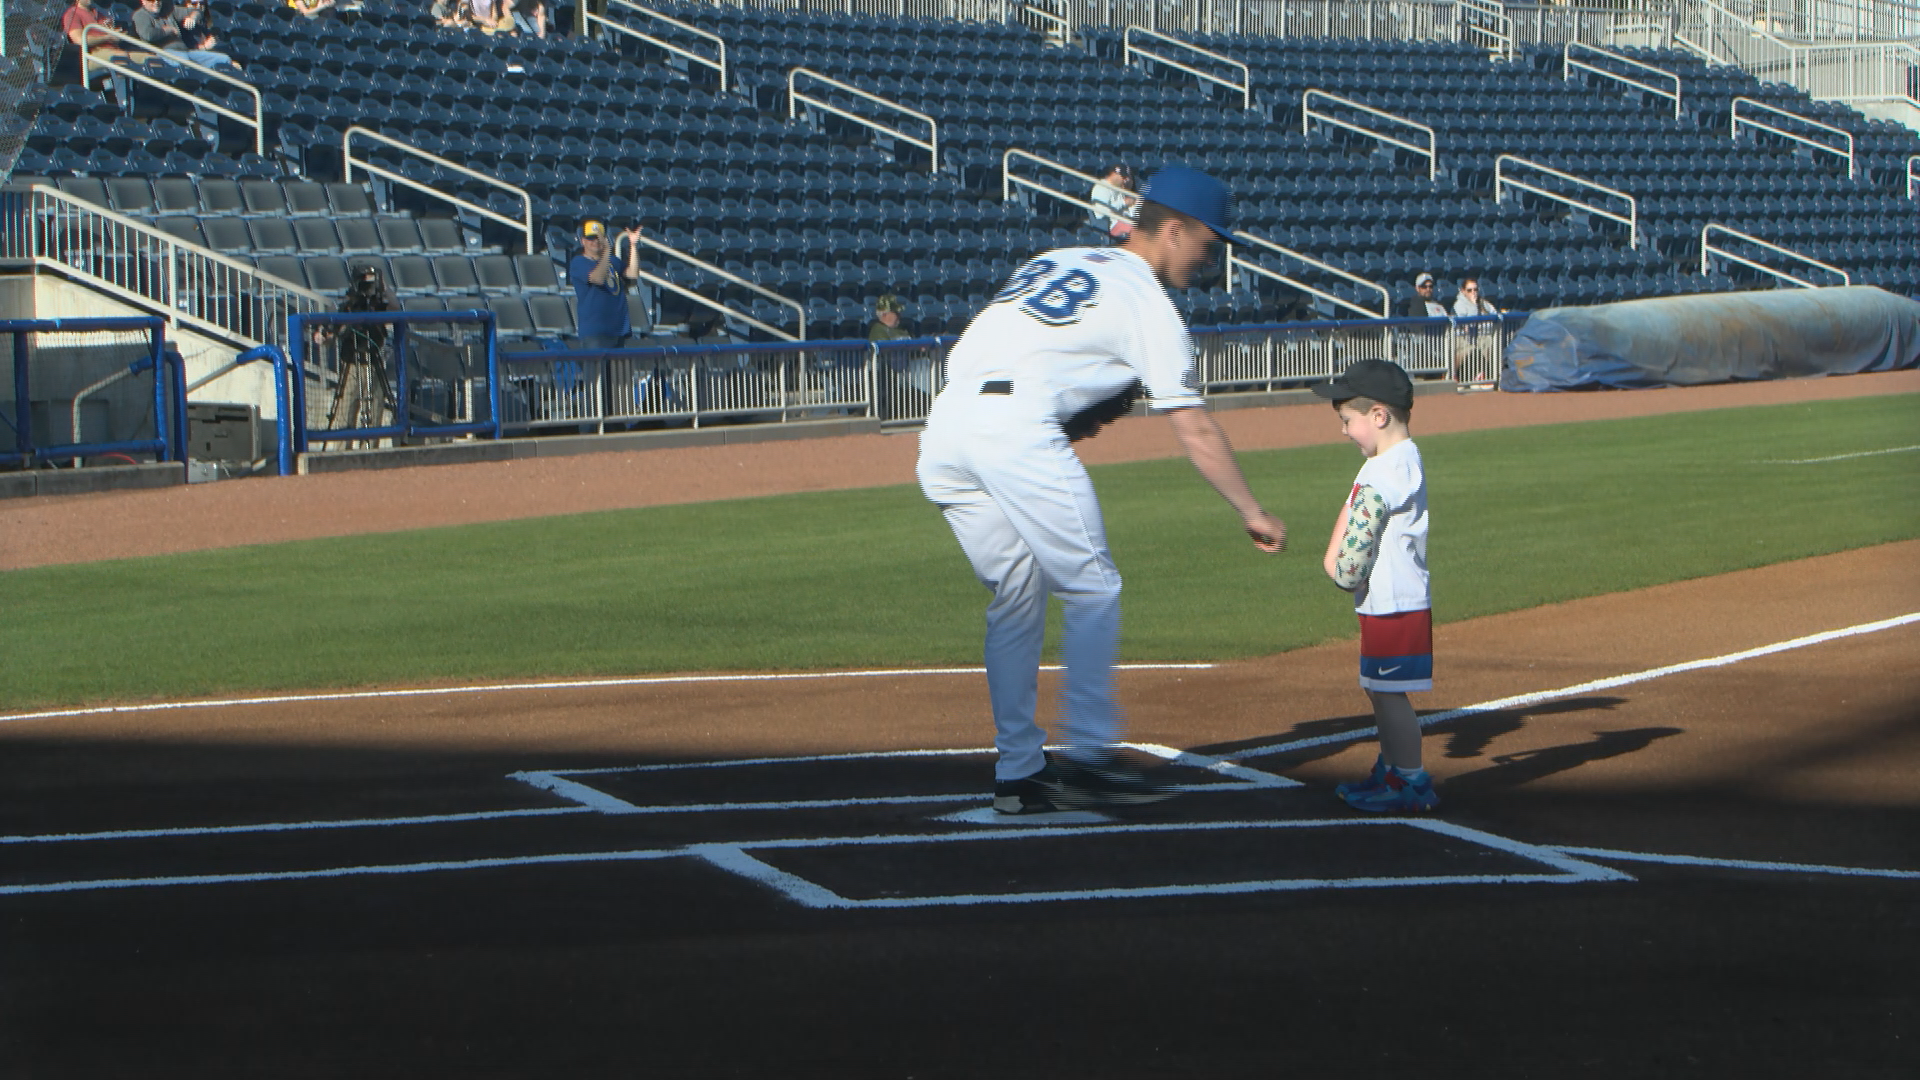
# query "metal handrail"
(794, 97)
(1631, 221)
(1705, 248)
(1007, 180)
(1500, 33)
(1128, 50)
(719, 64)
(1064, 22)
(524, 223)
(1386, 301)
(1431, 151)
(88, 60)
(1568, 64)
(1801, 57)
(726, 275)
(165, 295)
(1734, 130)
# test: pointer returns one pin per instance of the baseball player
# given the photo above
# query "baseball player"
(1063, 348)
(1379, 553)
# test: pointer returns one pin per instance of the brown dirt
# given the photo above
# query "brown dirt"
(85, 528)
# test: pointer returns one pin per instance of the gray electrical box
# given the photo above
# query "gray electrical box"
(217, 432)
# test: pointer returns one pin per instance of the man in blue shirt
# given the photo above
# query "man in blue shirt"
(600, 294)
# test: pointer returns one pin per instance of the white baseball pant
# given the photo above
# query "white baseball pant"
(1024, 510)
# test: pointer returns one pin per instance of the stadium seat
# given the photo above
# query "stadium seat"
(327, 274)
(413, 274)
(316, 236)
(552, 314)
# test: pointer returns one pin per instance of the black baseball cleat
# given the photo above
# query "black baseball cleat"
(1030, 794)
(1112, 782)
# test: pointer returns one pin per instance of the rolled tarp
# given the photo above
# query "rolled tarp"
(1714, 338)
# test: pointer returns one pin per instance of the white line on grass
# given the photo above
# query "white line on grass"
(1520, 701)
(1845, 457)
(570, 684)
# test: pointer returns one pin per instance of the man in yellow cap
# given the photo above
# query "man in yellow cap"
(601, 295)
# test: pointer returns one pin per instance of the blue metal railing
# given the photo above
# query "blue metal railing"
(169, 442)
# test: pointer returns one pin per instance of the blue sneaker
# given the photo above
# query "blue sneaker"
(1397, 795)
(1374, 779)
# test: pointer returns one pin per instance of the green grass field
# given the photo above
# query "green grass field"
(1520, 517)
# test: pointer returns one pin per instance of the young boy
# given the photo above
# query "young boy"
(1379, 553)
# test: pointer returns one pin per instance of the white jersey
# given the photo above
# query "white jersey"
(1399, 579)
(1081, 323)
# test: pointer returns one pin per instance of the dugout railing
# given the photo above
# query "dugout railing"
(67, 375)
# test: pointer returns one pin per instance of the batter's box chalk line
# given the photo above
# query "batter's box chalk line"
(1559, 868)
(565, 782)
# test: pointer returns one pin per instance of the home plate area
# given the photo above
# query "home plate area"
(907, 829)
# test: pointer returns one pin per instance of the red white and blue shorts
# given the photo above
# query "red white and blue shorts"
(1396, 651)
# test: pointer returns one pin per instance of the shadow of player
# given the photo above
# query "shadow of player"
(1466, 737)
(1512, 770)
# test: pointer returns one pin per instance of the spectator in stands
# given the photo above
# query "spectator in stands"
(530, 17)
(1476, 347)
(1470, 303)
(74, 22)
(164, 30)
(451, 13)
(601, 294)
(1423, 303)
(491, 16)
(886, 325)
(1113, 194)
(310, 8)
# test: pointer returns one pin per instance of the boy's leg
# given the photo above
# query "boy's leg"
(1399, 728)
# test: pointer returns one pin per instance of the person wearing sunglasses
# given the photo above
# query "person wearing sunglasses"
(1470, 303)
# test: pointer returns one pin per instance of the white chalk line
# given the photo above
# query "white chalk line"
(588, 799)
(1845, 457)
(1740, 864)
(291, 826)
(569, 684)
(1519, 701)
(737, 859)
(734, 857)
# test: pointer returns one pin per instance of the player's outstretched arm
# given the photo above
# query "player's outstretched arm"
(1206, 446)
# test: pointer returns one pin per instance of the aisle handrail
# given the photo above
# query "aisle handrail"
(1008, 180)
(931, 144)
(1431, 151)
(1737, 120)
(729, 276)
(1128, 50)
(1568, 64)
(88, 61)
(1707, 247)
(1386, 300)
(1502, 181)
(719, 64)
(524, 223)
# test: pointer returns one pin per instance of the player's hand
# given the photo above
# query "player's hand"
(1269, 533)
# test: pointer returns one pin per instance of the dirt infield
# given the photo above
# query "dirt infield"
(84, 528)
(513, 898)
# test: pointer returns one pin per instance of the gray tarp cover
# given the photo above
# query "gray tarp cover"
(1720, 337)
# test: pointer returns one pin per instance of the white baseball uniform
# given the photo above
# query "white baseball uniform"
(1072, 327)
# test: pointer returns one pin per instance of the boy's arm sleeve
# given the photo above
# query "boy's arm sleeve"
(1360, 541)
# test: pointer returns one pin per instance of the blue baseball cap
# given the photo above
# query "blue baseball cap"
(1194, 194)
